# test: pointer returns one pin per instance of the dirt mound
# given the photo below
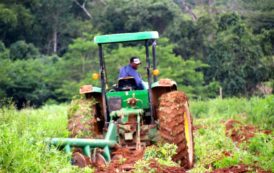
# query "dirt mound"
(241, 168)
(124, 159)
(82, 122)
(239, 132)
(172, 106)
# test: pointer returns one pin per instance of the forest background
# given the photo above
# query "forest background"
(47, 50)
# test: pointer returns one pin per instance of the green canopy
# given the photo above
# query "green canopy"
(137, 36)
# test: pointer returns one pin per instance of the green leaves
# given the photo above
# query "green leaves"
(15, 21)
(235, 59)
(23, 50)
(133, 16)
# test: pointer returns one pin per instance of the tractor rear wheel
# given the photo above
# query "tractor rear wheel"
(83, 119)
(175, 126)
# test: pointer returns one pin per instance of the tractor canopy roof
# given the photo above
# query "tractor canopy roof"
(125, 37)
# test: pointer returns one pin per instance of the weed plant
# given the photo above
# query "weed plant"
(22, 140)
(162, 153)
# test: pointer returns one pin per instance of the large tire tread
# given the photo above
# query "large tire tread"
(171, 125)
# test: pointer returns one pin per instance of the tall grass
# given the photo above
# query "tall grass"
(22, 140)
(257, 111)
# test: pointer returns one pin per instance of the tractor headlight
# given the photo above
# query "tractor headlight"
(155, 72)
(95, 76)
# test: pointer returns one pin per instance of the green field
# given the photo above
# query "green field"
(22, 136)
(211, 142)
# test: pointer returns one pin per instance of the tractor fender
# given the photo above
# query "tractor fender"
(89, 89)
(169, 83)
(92, 92)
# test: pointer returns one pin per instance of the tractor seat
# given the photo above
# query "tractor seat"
(126, 84)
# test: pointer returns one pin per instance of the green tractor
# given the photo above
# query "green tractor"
(126, 117)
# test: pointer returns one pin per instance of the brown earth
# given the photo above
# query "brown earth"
(239, 132)
(124, 159)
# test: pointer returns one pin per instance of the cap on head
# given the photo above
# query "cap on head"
(135, 60)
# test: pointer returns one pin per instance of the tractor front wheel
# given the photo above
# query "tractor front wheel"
(175, 126)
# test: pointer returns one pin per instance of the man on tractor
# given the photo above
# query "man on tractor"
(131, 70)
(133, 114)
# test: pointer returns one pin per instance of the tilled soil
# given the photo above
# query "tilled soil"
(124, 159)
(241, 133)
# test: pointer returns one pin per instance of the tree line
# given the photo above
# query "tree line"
(47, 49)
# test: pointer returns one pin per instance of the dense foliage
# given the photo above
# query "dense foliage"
(47, 52)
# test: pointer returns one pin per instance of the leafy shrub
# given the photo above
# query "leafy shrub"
(23, 50)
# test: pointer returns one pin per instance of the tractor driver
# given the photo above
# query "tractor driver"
(131, 70)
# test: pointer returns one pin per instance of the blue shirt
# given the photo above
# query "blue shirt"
(129, 71)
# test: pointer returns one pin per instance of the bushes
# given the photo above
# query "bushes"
(23, 50)
(24, 81)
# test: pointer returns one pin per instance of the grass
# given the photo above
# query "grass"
(257, 111)
(22, 140)
(211, 143)
(22, 136)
